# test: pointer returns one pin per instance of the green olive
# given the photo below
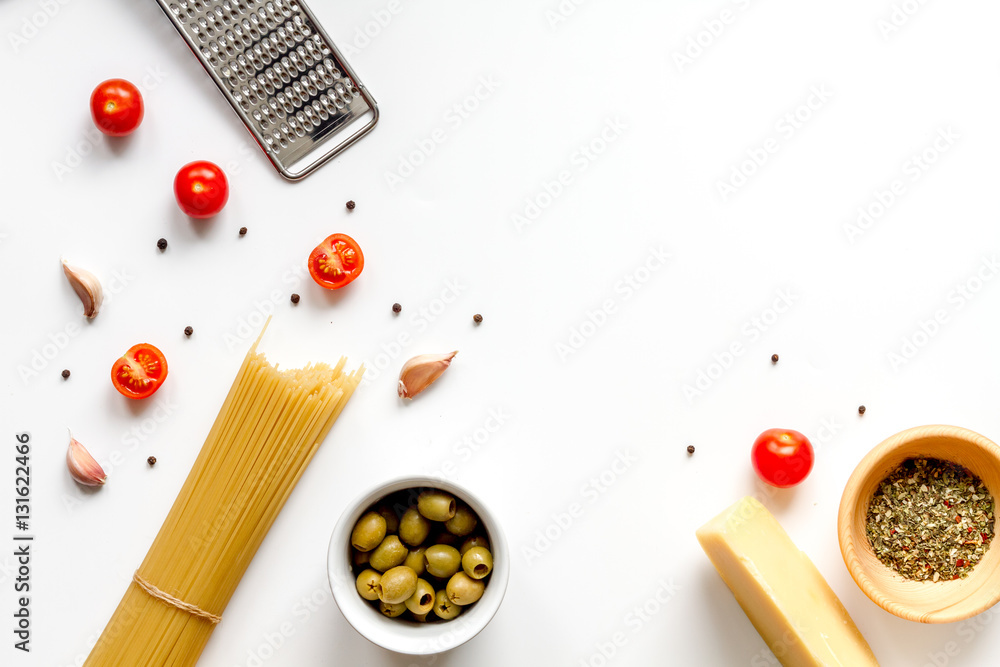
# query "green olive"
(413, 528)
(391, 520)
(422, 600)
(398, 585)
(436, 505)
(389, 554)
(415, 560)
(442, 560)
(391, 610)
(477, 562)
(419, 618)
(368, 584)
(463, 523)
(368, 532)
(359, 558)
(475, 541)
(463, 589)
(444, 608)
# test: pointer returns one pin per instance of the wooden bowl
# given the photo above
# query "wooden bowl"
(926, 602)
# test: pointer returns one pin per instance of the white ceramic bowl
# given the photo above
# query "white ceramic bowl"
(396, 634)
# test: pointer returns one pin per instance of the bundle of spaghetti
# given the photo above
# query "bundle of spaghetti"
(268, 429)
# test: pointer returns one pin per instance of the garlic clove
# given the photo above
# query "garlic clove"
(419, 372)
(82, 465)
(87, 287)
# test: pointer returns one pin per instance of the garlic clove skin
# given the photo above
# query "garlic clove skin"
(82, 465)
(87, 287)
(420, 372)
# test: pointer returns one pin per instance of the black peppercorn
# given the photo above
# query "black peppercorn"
(690, 449)
(477, 318)
(351, 205)
(243, 231)
(396, 308)
(162, 244)
(295, 298)
(861, 409)
(774, 358)
(151, 460)
(65, 374)
(188, 331)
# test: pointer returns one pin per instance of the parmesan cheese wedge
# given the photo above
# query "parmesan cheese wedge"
(781, 591)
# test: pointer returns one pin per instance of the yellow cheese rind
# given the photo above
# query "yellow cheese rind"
(781, 591)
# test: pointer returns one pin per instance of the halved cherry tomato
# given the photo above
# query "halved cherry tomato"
(782, 457)
(140, 372)
(201, 189)
(116, 106)
(336, 261)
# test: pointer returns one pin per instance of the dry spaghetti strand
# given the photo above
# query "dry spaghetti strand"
(267, 431)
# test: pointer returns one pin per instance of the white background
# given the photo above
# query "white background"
(567, 416)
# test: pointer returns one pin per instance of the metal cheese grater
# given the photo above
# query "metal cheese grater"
(282, 75)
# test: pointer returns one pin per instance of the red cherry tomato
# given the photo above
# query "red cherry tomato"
(336, 261)
(140, 371)
(782, 457)
(201, 189)
(116, 106)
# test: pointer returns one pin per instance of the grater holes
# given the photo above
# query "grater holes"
(306, 58)
(265, 84)
(310, 116)
(319, 110)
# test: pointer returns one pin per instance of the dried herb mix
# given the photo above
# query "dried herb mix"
(931, 520)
